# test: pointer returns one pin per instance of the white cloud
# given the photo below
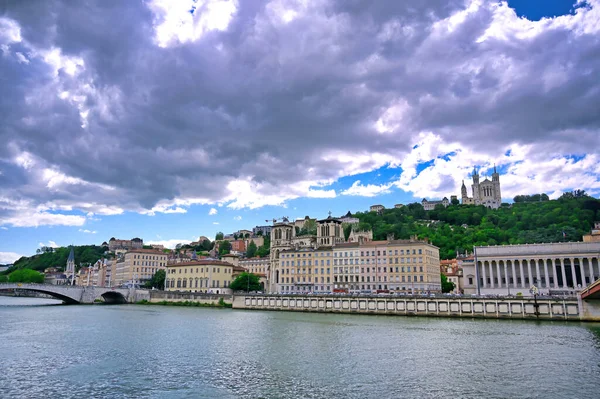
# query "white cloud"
(215, 222)
(4, 228)
(213, 211)
(42, 219)
(176, 22)
(369, 190)
(9, 257)
(50, 244)
(238, 218)
(168, 243)
(528, 171)
(87, 231)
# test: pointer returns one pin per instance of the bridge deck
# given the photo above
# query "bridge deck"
(592, 291)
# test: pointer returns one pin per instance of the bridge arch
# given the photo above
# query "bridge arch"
(113, 297)
(67, 300)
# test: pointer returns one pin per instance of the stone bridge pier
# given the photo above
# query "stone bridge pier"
(70, 294)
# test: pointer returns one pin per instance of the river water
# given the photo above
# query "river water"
(135, 351)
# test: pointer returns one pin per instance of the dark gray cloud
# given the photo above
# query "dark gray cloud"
(276, 101)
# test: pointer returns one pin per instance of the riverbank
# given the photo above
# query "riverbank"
(220, 304)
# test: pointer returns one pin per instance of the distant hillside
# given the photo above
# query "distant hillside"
(58, 258)
(519, 223)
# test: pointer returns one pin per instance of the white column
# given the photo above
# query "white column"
(514, 273)
(537, 273)
(529, 275)
(590, 266)
(521, 270)
(572, 261)
(484, 275)
(554, 273)
(562, 270)
(498, 274)
(547, 275)
(581, 270)
(491, 275)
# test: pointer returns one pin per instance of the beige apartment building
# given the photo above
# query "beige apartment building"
(409, 266)
(207, 275)
(138, 266)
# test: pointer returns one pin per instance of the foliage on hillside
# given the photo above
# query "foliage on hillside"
(58, 258)
(460, 227)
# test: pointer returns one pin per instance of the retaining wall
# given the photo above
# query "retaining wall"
(496, 308)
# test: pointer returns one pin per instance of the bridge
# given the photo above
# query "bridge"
(72, 294)
(592, 291)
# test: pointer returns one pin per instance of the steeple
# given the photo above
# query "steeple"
(495, 168)
(71, 257)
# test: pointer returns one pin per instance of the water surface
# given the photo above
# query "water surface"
(165, 352)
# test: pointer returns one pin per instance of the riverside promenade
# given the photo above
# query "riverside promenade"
(571, 309)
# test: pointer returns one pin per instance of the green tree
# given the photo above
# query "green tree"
(3, 279)
(251, 250)
(26, 276)
(246, 282)
(447, 286)
(219, 236)
(455, 201)
(224, 247)
(157, 281)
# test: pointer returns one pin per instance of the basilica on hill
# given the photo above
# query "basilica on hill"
(486, 193)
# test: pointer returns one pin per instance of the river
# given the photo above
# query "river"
(135, 351)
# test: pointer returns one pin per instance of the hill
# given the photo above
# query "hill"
(460, 227)
(57, 257)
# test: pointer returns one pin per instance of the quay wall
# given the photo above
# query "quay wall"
(198, 297)
(572, 309)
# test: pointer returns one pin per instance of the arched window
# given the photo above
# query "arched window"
(184, 283)
(178, 283)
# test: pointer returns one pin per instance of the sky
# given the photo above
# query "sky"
(168, 120)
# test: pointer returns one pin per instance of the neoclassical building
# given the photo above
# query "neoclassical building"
(553, 268)
(486, 193)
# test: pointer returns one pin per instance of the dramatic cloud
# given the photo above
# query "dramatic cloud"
(155, 106)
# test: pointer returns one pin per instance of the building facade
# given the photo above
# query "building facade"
(138, 266)
(486, 193)
(256, 265)
(208, 276)
(265, 230)
(409, 266)
(555, 268)
(594, 235)
(430, 205)
(115, 244)
(376, 208)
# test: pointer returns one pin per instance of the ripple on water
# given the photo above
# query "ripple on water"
(158, 352)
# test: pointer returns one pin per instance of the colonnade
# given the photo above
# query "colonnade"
(547, 272)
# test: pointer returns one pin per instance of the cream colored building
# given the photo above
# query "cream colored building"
(594, 235)
(486, 193)
(207, 275)
(138, 266)
(410, 266)
(376, 208)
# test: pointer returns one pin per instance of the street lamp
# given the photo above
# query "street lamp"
(534, 290)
